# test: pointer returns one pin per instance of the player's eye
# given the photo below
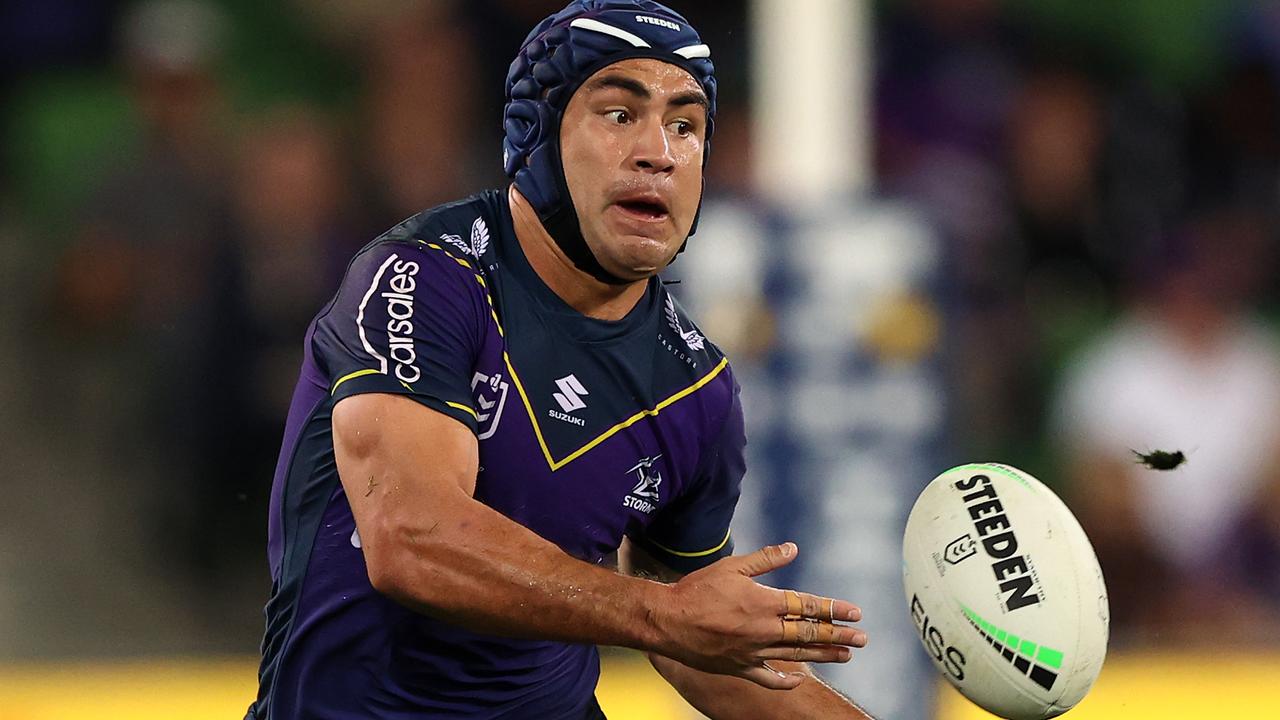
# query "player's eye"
(620, 117)
(683, 128)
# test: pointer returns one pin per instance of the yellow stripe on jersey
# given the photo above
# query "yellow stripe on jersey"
(464, 408)
(352, 376)
(533, 417)
(452, 257)
(478, 278)
(700, 553)
(537, 430)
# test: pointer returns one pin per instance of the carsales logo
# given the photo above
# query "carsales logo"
(400, 320)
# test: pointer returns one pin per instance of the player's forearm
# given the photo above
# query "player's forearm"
(472, 566)
(721, 697)
(430, 545)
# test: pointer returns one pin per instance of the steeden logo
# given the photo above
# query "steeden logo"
(648, 20)
(1014, 571)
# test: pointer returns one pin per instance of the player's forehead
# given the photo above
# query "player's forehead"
(659, 80)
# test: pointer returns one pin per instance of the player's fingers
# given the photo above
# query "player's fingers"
(807, 653)
(766, 559)
(804, 632)
(767, 677)
(803, 605)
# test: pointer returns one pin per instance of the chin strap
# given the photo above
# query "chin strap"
(564, 228)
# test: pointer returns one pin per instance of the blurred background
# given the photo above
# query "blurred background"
(1039, 232)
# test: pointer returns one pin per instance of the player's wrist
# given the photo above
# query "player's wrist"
(651, 627)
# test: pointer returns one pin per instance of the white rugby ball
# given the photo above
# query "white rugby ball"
(1005, 591)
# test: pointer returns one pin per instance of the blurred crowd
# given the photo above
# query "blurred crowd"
(183, 181)
(1108, 186)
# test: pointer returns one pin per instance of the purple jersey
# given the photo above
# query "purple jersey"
(588, 431)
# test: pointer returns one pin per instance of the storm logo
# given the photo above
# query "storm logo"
(644, 496)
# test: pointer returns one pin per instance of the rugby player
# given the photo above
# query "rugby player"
(502, 396)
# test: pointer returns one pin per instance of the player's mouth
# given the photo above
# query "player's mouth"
(643, 206)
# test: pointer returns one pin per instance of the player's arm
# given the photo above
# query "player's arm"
(722, 697)
(409, 473)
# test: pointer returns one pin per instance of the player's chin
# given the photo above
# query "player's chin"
(637, 257)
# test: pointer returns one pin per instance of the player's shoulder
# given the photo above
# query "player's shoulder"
(694, 354)
(445, 241)
(463, 229)
(679, 328)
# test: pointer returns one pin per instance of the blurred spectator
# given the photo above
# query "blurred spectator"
(947, 76)
(293, 232)
(149, 235)
(421, 97)
(296, 230)
(1235, 146)
(1055, 143)
(144, 294)
(1189, 367)
(938, 148)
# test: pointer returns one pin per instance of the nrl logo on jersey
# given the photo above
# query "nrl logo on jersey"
(490, 392)
(644, 496)
(691, 337)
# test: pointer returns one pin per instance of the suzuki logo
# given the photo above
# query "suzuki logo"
(570, 395)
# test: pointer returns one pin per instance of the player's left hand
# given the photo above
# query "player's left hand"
(723, 621)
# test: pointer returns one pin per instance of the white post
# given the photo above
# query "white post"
(811, 91)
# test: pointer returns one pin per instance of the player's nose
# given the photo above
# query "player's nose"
(651, 152)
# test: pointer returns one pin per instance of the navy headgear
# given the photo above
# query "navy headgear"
(555, 59)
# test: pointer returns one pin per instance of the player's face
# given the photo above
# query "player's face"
(632, 142)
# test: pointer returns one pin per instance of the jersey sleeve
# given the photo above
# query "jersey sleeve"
(407, 320)
(693, 531)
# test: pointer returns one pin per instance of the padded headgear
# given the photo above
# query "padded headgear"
(555, 59)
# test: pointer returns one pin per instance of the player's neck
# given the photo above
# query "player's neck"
(579, 290)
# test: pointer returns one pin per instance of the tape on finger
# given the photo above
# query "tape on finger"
(790, 631)
(795, 606)
(827, 610)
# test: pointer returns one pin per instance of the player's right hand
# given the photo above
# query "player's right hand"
(720, 620)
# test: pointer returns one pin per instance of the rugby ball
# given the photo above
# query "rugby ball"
(1005, 591)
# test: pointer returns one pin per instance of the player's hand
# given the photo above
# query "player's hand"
(720, 620)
